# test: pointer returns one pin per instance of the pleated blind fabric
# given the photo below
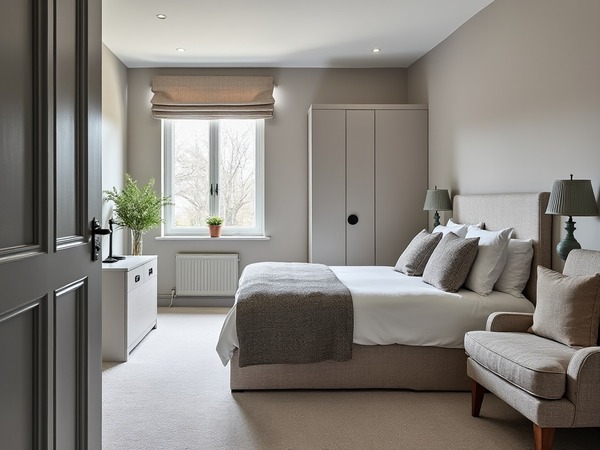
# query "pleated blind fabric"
(212, 97)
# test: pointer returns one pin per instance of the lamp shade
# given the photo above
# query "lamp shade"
(437, 200)
(572, 198)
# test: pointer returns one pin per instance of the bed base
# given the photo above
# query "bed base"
(371, 367)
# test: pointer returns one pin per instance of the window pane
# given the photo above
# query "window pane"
(191, 171)
(237, 178)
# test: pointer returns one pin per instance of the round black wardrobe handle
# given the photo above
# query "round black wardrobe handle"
(352, 219)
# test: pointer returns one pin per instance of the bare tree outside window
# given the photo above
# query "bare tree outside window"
(237, 162)
(213, 172)
(191, 175)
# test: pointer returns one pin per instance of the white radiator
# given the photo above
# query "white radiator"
(206, 274)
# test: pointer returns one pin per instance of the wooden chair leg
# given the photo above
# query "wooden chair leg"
(544, 437)
(477, 392)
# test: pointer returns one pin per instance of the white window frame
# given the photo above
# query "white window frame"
(169, 211)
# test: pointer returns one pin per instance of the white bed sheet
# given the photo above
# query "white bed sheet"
(392, 308)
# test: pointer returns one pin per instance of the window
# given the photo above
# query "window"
(214, 168)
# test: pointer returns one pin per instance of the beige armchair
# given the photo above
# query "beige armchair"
(552, 384)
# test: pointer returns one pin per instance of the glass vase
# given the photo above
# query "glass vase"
(136, 242)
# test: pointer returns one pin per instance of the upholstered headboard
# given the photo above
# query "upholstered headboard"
(525, 213)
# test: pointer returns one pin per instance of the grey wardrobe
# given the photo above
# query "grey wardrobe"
(367, 182)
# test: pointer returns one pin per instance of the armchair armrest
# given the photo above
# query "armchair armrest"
(509, 321)
(583, 386)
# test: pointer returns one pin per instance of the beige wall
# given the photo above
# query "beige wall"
(114, 138)
(286, 158)
(514, 102)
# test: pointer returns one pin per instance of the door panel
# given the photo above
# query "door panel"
(19, 376)
(401, 180)
(360, 187)
(16, 123)
(327, 186)
(50, 189)
(69, 372)
(67, 151)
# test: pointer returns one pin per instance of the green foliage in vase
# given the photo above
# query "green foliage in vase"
(214, 221)
(137, 209)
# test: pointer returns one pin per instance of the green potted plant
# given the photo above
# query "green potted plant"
(137, 209)
(214, 226)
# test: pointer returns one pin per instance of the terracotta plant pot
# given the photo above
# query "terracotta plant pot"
(215, 231)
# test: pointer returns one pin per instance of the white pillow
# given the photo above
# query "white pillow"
(515, 275)
(479, 225)
(490, 260)
(458, 229)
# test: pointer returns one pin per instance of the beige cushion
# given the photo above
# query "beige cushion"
(534, 364)
(450, 262)
(414, 259)
(568, 308)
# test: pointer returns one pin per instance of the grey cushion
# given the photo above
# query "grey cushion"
(534, 364)
(450, 262)
(414, 259)
(583, 262)
(568, 308)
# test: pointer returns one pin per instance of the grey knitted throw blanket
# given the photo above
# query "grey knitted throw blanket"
(292, 313)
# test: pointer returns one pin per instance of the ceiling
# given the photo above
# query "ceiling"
(280, 33)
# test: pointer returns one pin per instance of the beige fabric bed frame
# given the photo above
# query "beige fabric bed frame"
(409, 367)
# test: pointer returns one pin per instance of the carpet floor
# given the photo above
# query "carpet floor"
(173, 394)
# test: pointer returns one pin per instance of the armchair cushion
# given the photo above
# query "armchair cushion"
(568, 308)
(532, 363)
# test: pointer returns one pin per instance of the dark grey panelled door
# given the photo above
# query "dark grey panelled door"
(50, 189)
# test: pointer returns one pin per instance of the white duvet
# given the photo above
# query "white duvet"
(392, 308)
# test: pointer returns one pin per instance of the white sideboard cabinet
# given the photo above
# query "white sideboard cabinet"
(129, 304)
(367, 182)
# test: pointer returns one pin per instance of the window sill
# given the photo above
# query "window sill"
(208, 238)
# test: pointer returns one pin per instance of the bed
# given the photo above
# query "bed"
(428, 356)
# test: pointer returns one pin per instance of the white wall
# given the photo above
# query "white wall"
(286, 157)
(114, 139)
(514, 102)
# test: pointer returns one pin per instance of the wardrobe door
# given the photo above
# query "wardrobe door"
(327, 187)
(401, 180)
(360, 188)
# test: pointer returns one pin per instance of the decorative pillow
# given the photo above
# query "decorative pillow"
(415, 257)
(516, 272)
(568, 308)
(490, 260)
(450, 262)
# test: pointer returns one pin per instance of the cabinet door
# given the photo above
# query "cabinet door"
(360, 187)
(327, 187)
(401, 181)
(141, 312)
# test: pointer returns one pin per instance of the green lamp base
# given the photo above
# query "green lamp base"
(569, 243)
(436, 219)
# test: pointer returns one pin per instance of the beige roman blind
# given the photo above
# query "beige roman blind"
(212, 97)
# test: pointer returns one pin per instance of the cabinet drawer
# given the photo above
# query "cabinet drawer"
(135, 278)
(150, 269)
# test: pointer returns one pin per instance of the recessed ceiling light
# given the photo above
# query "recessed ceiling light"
(376, 50)
(161, 16)
(180, 50)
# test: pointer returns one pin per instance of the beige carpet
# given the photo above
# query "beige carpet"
(173, 393)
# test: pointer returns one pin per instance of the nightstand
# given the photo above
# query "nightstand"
(129, 304)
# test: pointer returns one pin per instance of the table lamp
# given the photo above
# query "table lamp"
(437, 200)
(571, 198)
